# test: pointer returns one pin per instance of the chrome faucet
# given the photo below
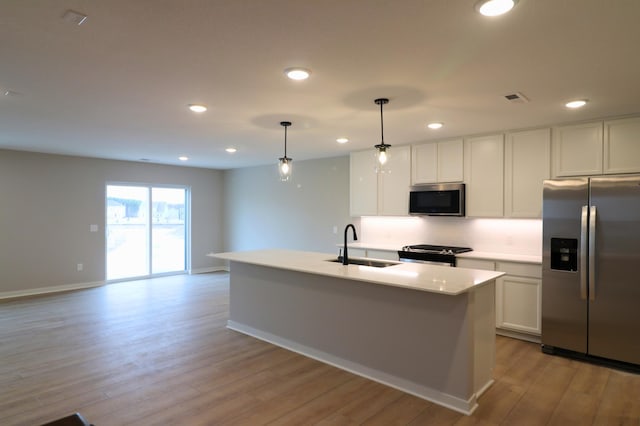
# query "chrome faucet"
(345, 257)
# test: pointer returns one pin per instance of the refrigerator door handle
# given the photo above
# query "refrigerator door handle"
(584, 226)
(592, 253)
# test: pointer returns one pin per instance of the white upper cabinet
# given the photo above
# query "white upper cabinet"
(424, 163)
(577, 149)
(434, 162)
(503, 173)
(363, 184)
(484, 176)
(622, 146)
(393, 186)
(597, 148)
(374, 194)
(527, 165)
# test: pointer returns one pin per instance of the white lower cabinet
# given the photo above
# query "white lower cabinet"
(487, 265)
(373, 253)
(357, 252)
(518, 297)
(383, 254)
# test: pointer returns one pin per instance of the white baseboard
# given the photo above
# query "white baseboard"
(515, 335)
(208, 270)
(46, 290)
(432, 395)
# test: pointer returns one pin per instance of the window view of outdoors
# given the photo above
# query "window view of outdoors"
(146, 230)
(168, 230)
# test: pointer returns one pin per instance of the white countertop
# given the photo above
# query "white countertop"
(502, 257)
(415, 276)
(498, 257)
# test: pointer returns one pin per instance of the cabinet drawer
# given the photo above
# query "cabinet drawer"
(383, 254)
(357, 252)
(520, 269)
(486, 265)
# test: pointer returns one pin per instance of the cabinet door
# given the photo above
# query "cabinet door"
(450, 164)
(393, 186)
(484, 175)
(527, 165)
(622, 146)
(363, 184)
(424, 163)
(518, 304)
(577, 150)
(440, 161)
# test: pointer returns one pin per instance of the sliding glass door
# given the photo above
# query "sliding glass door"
(146, 230)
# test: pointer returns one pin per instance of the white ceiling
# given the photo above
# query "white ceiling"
(118, 86)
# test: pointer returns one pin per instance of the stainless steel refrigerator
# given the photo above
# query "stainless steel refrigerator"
(591, 268)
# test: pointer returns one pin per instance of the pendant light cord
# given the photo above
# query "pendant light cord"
(285, 141)
(381, 123)
(285, 124)
(382, 145)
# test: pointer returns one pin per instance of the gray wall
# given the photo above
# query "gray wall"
(263, 212)
(47, 203)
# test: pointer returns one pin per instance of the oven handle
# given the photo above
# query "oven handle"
(452, 263)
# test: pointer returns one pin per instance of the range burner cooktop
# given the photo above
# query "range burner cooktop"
(427, 248)
(431, 253)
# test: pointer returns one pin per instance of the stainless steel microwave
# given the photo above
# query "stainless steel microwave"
(445, 199)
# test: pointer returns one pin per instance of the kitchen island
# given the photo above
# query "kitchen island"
(424, 329)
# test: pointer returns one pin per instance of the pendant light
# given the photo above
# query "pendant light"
(382, 149)
(284, 166)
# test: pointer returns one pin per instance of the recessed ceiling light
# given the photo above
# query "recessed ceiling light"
(297, 73)
(342, 140)
(579, 103)
(231, 150)
(435, 125)
(494, 7)
(183, 158)
(197, 107)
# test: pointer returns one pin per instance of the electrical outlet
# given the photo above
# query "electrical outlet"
(80, 267)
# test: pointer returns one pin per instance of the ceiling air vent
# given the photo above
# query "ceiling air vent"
(74, 17)
(516, 98)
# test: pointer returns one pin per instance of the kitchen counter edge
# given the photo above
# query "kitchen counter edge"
(498, 257)
(413, 276)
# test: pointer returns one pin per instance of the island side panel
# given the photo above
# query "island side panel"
(420, 337)
(483, 302)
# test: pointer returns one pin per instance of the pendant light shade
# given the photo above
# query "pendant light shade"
(382, 149)
(284, 165)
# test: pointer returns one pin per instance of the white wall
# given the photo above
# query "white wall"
(47, 203)
(263, 212)
(515, 236)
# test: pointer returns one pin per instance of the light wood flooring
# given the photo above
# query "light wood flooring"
(156, 352)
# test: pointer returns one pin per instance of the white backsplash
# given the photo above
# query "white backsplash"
(514, 236)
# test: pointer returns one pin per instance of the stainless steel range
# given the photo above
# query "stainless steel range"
(426, 253)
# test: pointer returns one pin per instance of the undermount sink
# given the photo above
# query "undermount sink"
(366, 262)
